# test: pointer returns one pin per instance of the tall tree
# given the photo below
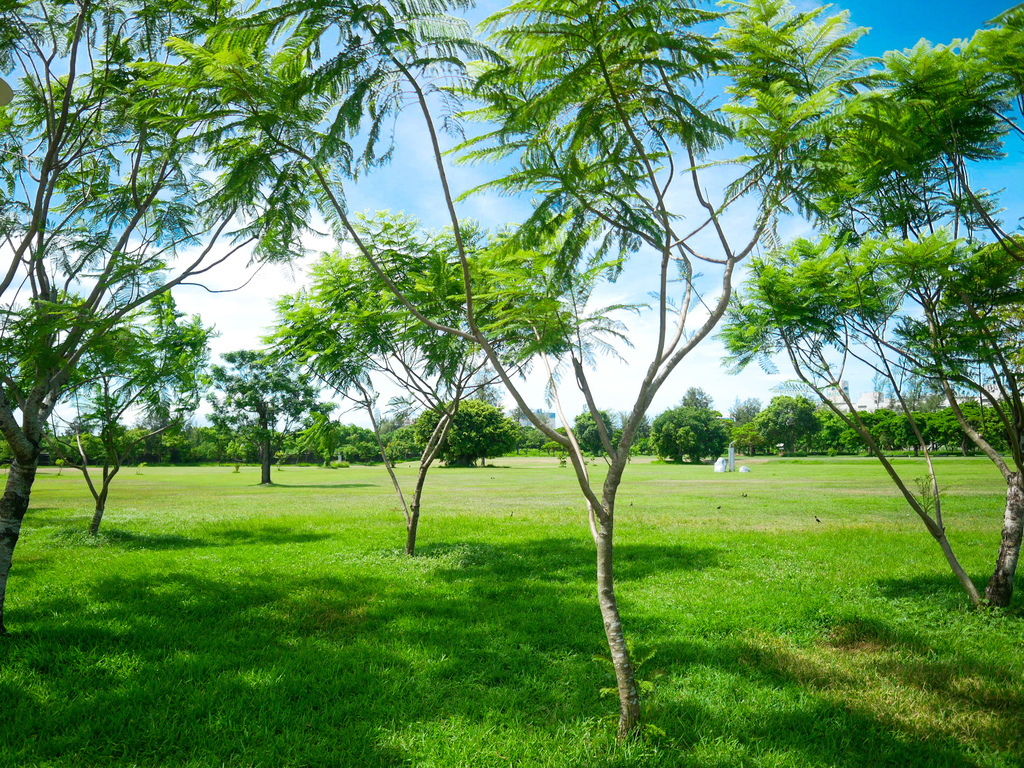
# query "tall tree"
(115, 186)
(787, 421)
(263, 401)
(693, 433)
(933, 308)
(744, 411)
(695, 397)
(348, 328)
(478, 431)
(152, 363)
(588, 434)
(594, 102)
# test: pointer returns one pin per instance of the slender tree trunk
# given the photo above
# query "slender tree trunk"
(410, 527)
(265, 458)
(97, 517)
(629, 695)
(954, 564)
(1000, 586)
(13, 505)
(414, 509)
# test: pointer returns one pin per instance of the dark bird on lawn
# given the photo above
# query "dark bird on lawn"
(744, 495)
(631, 503)
(816, 519)
(719, 506)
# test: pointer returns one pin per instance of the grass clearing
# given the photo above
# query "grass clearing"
(219, 623)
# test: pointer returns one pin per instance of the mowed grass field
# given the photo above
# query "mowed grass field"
(219, 623)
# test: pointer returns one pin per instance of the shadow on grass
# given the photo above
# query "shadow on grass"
(944, 591)
(318, 485)
(837, 701)
(131, 540)
(401, 662)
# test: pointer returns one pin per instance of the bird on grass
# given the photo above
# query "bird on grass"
(816, 519)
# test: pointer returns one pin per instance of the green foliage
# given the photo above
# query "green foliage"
(479, 431)
(612, 105)
(402, 444)
(744, 411)
(695, 397)
(587, 434)
(263, 400)
(790, 421)
(694, 433)
(110, 173)
(748, 438)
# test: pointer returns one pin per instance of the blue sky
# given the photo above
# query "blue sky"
(409, 185)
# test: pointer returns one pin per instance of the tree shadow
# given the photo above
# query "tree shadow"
(229, 537)
(116, 537)
(382, 664)
(317, 485)
(562, 560)
(823, 711)
(943, 592)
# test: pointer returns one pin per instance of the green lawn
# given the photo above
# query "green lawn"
(219, 623)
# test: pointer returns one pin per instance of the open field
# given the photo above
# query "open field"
(219, 623)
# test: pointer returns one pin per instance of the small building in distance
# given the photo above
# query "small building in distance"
(550, 419)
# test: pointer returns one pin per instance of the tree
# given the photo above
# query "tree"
(478, 431)
(789, 421)
(593, 104)
(901, 175)
(695, 397)
(348, 328)
(934, 308)
(691, 432)
(115, 187)
(587, 433)
(151, 362)
(264, 400)
(744, 411)
(748, 438)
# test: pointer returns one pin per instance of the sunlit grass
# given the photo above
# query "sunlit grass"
(216, 622)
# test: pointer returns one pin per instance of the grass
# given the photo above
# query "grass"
(219, 623)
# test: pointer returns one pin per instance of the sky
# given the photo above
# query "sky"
(242, 317)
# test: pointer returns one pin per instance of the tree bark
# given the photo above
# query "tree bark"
(97, 517)
(413, 521)
(629, 695)
(1000, 587)
(410, 528)
(265, 458)
(13, 505)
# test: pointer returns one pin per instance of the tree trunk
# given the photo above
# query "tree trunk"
(954, 564)
(97, 517)
(265, 458)
(629, 695)
(1000, 586)
(410, 527)
(13, 505)
(413, 521)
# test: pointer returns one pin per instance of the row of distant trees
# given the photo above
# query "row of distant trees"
(694, 430)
